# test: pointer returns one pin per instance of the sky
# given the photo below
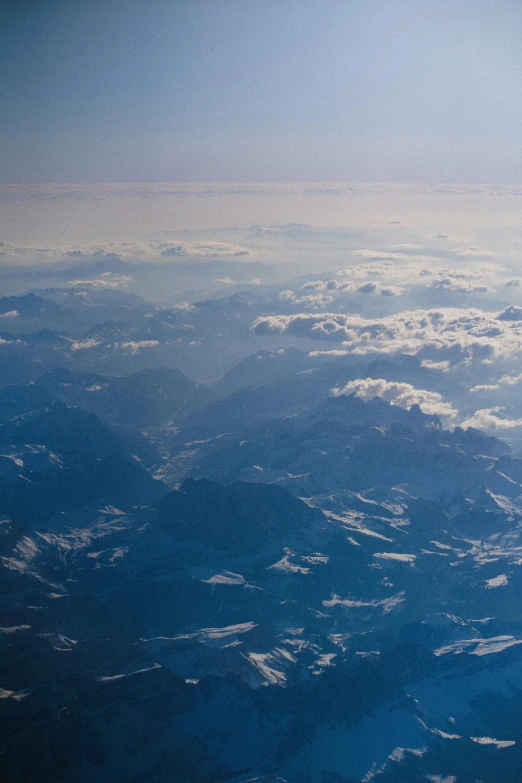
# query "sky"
(274, 91)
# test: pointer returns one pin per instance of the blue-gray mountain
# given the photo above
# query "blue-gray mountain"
(256, 578)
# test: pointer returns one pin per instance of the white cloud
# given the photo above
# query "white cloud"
(327, 291)
(451, 285)
(107, 281)
(474, 252)
(333, 352)
(135, 346)
(287, 294)
(506, 380)
(10, 314)
(84, 345)
(489, 419)
(409, 266)
(440, 366)
(404, 395)
(447, 334)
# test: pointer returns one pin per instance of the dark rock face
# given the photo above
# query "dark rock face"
(148, 398)
(56, 459)
(238, 517)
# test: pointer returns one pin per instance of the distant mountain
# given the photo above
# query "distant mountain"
(263, 368)
(97, 303)
(57, 458)
(295, 384)
(31, 313)
(148, 398)
(347, 443)
(25, 356)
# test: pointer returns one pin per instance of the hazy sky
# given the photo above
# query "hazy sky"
(239, 90)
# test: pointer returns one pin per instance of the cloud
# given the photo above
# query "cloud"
(388, 255)
(105, 281)
(327, 291)
(411, 266)
(203, 250)
(489, 419)
(367, 288)
(10, 314)
(454, 335)
(85, 345)
(511, 313)
(448, 284)
(474, 252)
(140, 250)
(390, 290)
(506, 380)
(441, 366)
(404, 395)
(287, 294)
(93, 255)
(135, 346)
(333, 352)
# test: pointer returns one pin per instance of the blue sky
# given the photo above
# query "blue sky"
(240, 90)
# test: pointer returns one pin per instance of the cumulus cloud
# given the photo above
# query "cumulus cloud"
(135, 346)
(410, 266)
(327, 291)
(85, 345)
(511, 313)
(459, 287)
(287, 294)
(451, 335)
(367, 288)
(404, 395)
(10, 314)
(489, 419)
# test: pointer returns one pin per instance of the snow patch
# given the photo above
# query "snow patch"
(492, 741)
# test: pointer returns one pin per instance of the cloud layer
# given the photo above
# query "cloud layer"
(446, 334)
